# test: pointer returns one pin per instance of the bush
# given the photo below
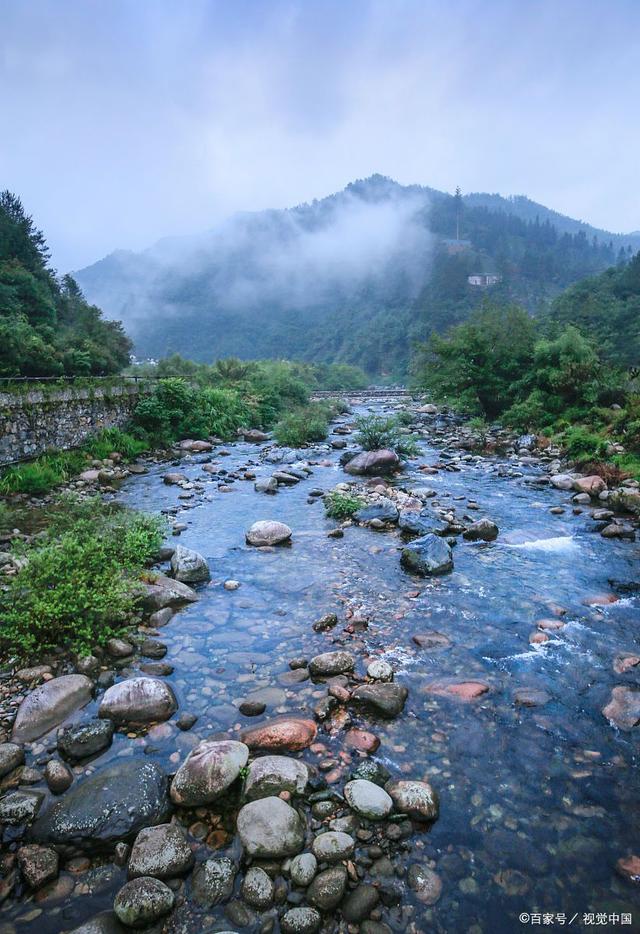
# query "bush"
(79, 585)
(376, 432)
(304, 425)
(114, 441)
(342, 505)
(583, 445)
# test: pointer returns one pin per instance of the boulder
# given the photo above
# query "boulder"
(328, 888)
(213, 881)
(432, 639)
(88, 739)
(484, 530)
(208, 771)
(165, 591)
(254, 435)
(189, 566)
(417, 799)
(142, 902)
(289, 734)
(270, 828)
(38, 865)
(421, 523)
(332, 846)
(110, 805)
(20, 807)
(268, 532)
(373, 462)
(301, 921)
(384, 509)
(623, 709)
(11, 756)
(561, 481)
(303, 868)
(386, 700)
(269, 775)
(331, 663)
(593, 485)
(196, 446)
(257, 889)
(266, 485)
(427, 556)
(48, 705)
(173, 479)
(161, 852)
(368, 799)
(138, 700)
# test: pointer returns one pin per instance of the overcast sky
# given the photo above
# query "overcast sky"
(127, 120)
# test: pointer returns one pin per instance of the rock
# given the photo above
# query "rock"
(421, 523)
(267, 776)
(11, 756)
(417, 799)
(88, 739)
(562, 481)
(270, 828)
(483, 530)
(624, 662)
(619, 529)
(286, 733)
(254, 435)
(104, 923)
(257, 889)
(328, 888)
(371, 771)
(373, 462)
(161, 617)
(195, 446)
(138, 700)
(268, 532)
(161, 852)
(331, 847)
(380, 670)
(427, 556)
(38, 865)
(303, 868)
(58, 776)
(208, 771)
(20, 807)
(531, 697)
(152, 648)
(623, 709)
(142, 902)
(386, 700)
(86, 664)
(361, 740)
(431, 640)
(426, 883)
(331, 663)
(360, 903)
(119, 648)
(384, 510)
(249, 708)
(172, 479)
(592, 485)
(266, 485)
(301, 921)
(367, 799)
(48, 705)
(213, 881)
(189, 566)
(458, 690)
(166, 592)
(629, 868)
(110, 805)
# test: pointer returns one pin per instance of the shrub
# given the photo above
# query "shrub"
(113, 440)
(79, 585)
(43, 474)
(376, 432)
(342, 505)
(583, 445)
(303, 425)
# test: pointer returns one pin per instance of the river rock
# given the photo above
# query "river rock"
(301, 921)
(426, 883)
(142, 902)
(367, 799)
(379, 670)
(361, 740)
(332, 846)
(427, 556)
(172, 479)
(161, 852)
(20, 807)
(285, 733)
(328, 888)
(417, 799)
(369, 463)
(48, 705)
(331, 663)
(87, 739)
(208, 771)
(483, 530)
(629, 868)
(138, 700)
(266, 485)
(270, 828)
(386, 700)
(11, 756)
(384, 510)
(421, 523)
(562, 481)
(213, 881)
(189, 566)
(593, 485)
(431, 640)
(58, 776)
(360, 903)
(623, 709)
(303, 868)
(103, 923)
(268, 532)
(119, 648)
(270, 775)
(110, 805)
(166, 592)
(38, 865)
(257, 889)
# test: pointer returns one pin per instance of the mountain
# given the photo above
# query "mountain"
(353, 278)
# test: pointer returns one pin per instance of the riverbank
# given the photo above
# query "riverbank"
(508, 731)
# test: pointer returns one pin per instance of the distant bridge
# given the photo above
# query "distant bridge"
(364, 394)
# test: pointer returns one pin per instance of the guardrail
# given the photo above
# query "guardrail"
(72, 379)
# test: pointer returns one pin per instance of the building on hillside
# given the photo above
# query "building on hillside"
(456, 246)
(483, 280)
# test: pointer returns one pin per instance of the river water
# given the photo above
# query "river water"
(537, 803)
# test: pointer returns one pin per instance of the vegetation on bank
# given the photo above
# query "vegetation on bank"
(46, 326)
(342, 506)
(535, 375)
(376, 432)
(78, 584)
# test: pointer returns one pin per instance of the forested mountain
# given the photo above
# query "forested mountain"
(46, 326)
(356, 277)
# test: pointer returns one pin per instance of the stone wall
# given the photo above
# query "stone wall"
(52, 419)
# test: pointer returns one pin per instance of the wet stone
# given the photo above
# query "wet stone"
(360, 903)
(303, 869)
(301, 921)
(161, 852)
(332, 846)
(20, 807)
(328, 888)
(38, 865)
(87, 739)
(213, 881)
(58, 776)
(11, 756)
(269, 827)
(143, 901)
(368, 799)
(258, 889)
(426, 883)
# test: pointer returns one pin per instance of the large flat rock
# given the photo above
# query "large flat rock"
(49, 705)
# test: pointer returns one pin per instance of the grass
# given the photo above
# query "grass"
(304, 425)
(342, 505)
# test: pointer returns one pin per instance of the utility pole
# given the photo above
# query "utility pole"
(458, 206)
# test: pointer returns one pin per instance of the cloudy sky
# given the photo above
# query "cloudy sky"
(127, 120)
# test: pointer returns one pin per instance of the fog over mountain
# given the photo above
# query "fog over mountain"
(270, 282)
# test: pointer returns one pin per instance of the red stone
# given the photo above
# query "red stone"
(286, 733)
(629, 868)
(460, 690)
(362, 741)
